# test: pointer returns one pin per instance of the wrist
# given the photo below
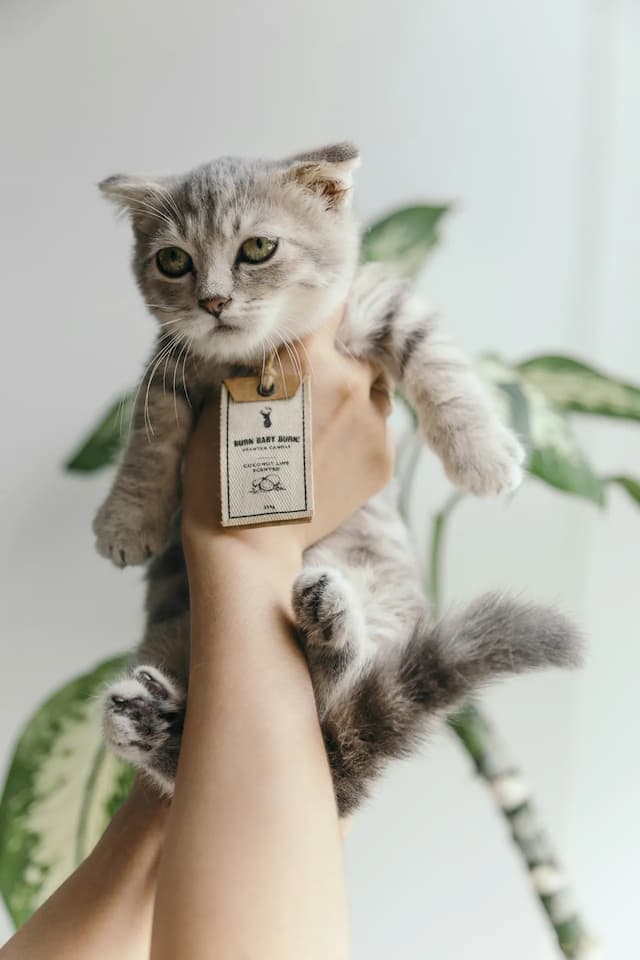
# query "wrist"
(130, 847)
(264, 553)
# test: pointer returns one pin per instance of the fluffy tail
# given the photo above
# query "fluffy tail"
(491, 637)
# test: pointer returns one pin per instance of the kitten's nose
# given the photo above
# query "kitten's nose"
(214, 305)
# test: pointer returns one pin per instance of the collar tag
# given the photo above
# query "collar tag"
(266, 473)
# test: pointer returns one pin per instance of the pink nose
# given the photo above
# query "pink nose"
(214, 305)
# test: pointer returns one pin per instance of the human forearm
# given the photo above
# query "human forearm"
(253, 824)
(104, 910)
(252, 865)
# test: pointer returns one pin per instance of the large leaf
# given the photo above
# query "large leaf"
(554, 453)
(62, 789)
(574, 386)
(405, 238)
(630, 484)
(100, 448)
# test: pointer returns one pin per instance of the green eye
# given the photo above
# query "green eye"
(174, 262)
(257, 250)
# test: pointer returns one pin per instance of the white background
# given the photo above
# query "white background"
(526, 114)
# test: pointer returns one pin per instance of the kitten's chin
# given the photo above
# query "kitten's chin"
(228, 344)
(293, 318)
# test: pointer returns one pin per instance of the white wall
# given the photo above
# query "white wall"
(526, 114)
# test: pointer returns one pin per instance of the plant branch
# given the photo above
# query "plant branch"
(435, 566)
(510, 790)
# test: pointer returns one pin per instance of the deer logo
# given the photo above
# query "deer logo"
(266, 416)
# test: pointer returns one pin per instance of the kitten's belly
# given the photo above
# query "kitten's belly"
(372, 550)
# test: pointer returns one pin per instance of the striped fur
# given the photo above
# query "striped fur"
(382, 670)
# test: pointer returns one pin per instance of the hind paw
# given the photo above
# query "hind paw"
(323, 606)
(143, 719)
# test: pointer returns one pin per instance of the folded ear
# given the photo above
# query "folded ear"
(144, 198)
(327, 172)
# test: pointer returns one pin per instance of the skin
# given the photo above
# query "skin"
(105, 908)
(234, 867)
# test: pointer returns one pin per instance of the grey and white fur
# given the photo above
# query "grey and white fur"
(381, 668)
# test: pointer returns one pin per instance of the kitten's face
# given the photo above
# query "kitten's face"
(236, 255)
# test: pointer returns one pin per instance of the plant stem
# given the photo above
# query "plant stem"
(435, 564)
(511, 791)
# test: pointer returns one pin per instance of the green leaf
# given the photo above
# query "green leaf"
(405, 238)
(555, 456)
(518, 412)
(61, 790)
(574, 386)
(630, 484)
(100, 448)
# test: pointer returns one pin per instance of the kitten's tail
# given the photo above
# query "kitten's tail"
(492, 636)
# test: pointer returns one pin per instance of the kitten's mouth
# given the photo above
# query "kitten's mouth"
(225, 328)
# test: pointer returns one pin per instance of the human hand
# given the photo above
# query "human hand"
(352, 452)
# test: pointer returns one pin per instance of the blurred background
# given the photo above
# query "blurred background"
(526, 115)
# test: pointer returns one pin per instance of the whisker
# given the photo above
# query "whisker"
(293, 359)
(168, 323)
(139, 206)
(162, 306)
(299, 342)
(164, 373)
(293, 346)
(175, 372)
(169, 203)
(274, 350)
(284, 382)
(142, 379)
(264, 363)
(166, 352)
(148, 209)
(147, 416)
(293, 343)
(145, 203)
(184, 362)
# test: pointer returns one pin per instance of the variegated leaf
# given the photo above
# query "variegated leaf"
(62, 788)
(405, 238)
(554, 453)
(630, 484)
(574, 386)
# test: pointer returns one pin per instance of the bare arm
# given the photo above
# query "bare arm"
(104, 910)
(254, 860)
(252, 866)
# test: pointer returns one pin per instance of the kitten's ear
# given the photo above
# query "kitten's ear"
(137, 196)
(327, 172)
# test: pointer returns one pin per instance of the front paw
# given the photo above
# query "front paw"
(128, 533)
(486, 463)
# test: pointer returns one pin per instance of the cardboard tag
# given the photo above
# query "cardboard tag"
(265, 453)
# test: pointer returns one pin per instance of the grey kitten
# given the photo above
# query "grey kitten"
(234, 257)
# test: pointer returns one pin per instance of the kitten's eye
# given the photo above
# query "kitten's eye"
(174, 262)
(257, 250)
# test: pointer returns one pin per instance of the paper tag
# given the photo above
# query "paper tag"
(265, 456)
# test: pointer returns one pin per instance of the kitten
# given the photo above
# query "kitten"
(231, 258)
